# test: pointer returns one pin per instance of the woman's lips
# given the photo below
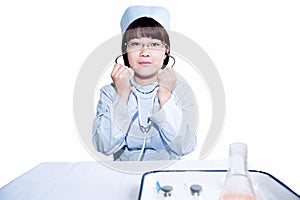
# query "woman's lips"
(145, 63)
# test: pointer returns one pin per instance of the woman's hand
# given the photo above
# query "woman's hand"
(166, 80)
(121, 78)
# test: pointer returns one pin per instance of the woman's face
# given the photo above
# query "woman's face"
(146, 56)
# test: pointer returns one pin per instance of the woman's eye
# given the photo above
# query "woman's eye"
(155, 44)
(135, 44)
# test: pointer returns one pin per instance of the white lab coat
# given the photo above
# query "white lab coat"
(116, 128)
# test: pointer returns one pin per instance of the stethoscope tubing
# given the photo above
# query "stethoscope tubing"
(144, 129)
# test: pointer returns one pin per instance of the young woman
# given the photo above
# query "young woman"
(148, 112)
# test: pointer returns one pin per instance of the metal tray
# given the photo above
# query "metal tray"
(266, 186)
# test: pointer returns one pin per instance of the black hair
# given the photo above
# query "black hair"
(145, 27)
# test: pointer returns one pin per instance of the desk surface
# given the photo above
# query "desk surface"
(92, 180)
(95, 180)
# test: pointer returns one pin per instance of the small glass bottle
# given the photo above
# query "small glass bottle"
(164, 192)
(237, 184)
(195, 192)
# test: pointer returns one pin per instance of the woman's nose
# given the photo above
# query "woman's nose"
(145, 52)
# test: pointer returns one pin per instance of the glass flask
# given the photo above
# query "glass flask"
(237, 184)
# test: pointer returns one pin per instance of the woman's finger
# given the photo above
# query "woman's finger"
(116, 69)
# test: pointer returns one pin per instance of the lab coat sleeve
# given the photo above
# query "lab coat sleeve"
(168, 119)
(178, 120)
(111, 122)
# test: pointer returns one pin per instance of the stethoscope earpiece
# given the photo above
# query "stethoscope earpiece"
(173, 60)
(117, 58)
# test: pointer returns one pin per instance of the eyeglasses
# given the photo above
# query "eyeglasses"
(137, 44)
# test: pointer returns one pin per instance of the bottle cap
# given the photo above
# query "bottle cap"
(195, 188)
(166, 188)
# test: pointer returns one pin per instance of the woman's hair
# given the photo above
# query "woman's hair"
(145, 27)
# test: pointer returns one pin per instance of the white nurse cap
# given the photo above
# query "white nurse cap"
(159, 14)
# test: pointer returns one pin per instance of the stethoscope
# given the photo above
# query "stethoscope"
(144, 128)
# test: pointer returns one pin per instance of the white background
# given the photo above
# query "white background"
(255, 46)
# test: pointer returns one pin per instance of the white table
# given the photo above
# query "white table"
(92, 180)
